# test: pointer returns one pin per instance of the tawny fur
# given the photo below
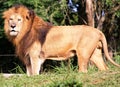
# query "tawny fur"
(39, 40)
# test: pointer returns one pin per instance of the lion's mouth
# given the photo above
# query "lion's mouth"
(13, 33)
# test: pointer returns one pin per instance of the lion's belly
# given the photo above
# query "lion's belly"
(58, 50)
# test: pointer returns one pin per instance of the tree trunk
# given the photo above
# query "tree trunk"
(90, 12)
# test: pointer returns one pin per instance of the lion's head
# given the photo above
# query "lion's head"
(17, 18)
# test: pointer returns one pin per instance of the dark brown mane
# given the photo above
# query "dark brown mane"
(17, 6)
(42, 32)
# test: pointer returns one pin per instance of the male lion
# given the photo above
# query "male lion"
(37, 40)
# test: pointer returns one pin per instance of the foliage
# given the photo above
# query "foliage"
(18, 69)
(1, 33)
(111, 24)
(69, 82)
(117, 59)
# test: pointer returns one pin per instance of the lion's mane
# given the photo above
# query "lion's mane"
(33, 29)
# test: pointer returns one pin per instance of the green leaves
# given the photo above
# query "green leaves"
(117, 13)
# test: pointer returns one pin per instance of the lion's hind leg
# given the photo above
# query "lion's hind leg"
(83, 59)
(98, 61)
(97, 58)
(82, 64)
(84, 52)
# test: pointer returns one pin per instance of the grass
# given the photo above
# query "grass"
(67, 77)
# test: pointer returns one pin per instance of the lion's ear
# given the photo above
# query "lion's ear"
(31, 14)
(5, 14)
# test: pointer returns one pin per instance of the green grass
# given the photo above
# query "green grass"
(65, 76)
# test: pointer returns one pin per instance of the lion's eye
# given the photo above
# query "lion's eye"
(11, 19)
(19, 19)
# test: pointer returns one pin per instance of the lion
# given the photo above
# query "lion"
(36, 40)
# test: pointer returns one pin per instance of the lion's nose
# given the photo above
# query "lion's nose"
(13, 25)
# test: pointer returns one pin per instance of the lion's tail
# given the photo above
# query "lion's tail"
(104, 42)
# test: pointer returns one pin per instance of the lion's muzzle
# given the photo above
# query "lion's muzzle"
(13, 33)
(13, 25)
(13, 29)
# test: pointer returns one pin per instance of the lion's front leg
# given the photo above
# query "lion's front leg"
(29, 69)
(35, 65)
(35, 59)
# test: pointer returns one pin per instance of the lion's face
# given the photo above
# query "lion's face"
(17, 20)
(15, 23)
